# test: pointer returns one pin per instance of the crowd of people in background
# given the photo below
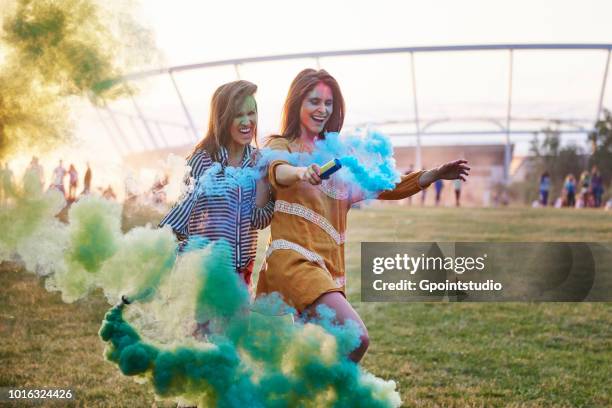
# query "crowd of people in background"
(438, 187)
(59, 176)
(586, 192)
(34, 180)
(60, 173)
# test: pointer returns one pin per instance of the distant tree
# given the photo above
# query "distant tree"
(51, 50)
(32, 117)
(601, 140)
(549, 155)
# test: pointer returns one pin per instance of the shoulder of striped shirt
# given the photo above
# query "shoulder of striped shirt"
(200, 162)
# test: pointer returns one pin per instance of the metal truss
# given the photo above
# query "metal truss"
(154, 134)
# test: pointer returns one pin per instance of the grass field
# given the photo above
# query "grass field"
(441, 355)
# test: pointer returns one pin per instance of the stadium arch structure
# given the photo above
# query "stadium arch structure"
(508, 107)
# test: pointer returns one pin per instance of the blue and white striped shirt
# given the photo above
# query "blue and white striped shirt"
(233, 216)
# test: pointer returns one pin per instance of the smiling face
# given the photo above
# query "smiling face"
(244, 124)
(316, 109)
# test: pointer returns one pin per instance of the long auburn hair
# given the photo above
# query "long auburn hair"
(303, 83)
(225, 103)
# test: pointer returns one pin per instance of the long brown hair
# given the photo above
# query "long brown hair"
(303, 83)
(225, 103)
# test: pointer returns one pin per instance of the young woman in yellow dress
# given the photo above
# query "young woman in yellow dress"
(305, 257)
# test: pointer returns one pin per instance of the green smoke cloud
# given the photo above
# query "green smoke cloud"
(262, 361)
(31, 231)
(94, 232)
(254, 355)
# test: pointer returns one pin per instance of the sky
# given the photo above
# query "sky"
(193, 31)
(378, 88)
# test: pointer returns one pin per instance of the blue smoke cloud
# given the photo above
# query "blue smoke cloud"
(367, 161)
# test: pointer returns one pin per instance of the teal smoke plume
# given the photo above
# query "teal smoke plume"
(254, 353)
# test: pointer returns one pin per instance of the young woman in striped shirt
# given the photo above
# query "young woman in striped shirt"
(236, 210)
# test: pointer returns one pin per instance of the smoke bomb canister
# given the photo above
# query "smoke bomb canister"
(330, 168)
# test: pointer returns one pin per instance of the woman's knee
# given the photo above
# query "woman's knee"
(344, 311)
(365, 340)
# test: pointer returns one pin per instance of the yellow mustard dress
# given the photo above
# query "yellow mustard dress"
(305, 256)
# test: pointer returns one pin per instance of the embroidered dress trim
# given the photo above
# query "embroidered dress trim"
(308, 214)
(306, 253)
(333, 192)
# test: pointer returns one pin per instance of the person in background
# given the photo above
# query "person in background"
(58, 178)
(87, 180)
(544, 188)
(438, 185)
(37, 170)
(457, 188)
(158, 194)
(109, 193)
(570, 190)
(596, 186)
(73, 181)
(585, 185)
(7, 183)
(33, 178)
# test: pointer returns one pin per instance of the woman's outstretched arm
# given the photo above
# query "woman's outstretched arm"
(412, 183)
(287, 175)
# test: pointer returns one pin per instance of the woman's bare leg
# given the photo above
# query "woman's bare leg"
(344, 311)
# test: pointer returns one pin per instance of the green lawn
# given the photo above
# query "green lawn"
(441, 355)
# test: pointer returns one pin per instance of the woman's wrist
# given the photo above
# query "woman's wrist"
(300, 173)
(428, 177)
(288, 175)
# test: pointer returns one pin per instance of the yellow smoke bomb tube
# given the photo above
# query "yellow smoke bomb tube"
(330, 168)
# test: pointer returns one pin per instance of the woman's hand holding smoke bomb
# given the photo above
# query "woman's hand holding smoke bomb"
(310, 174)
